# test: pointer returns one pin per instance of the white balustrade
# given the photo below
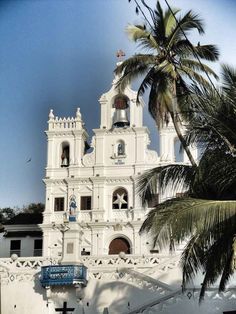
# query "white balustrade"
(58, 217)
(104, 262)
(84, 216)
(23, 263)
(64, 124)
(121, 215)
(129, 261)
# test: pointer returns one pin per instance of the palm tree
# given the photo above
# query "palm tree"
(206, 214)
(169, 67)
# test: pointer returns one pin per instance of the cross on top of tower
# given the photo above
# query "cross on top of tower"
(64, 309)
(120, 53)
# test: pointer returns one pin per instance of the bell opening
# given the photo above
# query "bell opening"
(120, 118)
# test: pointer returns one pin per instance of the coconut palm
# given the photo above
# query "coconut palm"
(206, 214)
(171, 63)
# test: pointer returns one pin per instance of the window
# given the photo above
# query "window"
(120, 199)
(154, 201)
(85, 203)
(15, 247)
(59, 204)
(38, 245)
(65, 155)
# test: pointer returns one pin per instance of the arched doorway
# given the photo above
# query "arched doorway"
(119, 245)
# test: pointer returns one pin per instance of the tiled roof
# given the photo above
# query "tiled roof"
(22, 234)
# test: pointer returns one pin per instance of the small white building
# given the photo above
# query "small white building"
(22, 236)
(92, 219)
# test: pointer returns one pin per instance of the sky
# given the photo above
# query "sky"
(60, 55)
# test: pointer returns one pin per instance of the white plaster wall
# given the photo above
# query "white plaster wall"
(23, 297)
(27, 296)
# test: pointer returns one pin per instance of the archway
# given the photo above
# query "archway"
(119, 245)
(65, 154)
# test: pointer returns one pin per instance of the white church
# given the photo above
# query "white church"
(93, 258)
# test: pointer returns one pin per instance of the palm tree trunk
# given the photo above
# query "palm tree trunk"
(182, 140)
(175, 121)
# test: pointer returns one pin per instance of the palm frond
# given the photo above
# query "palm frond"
(207, 52)
(182, 48)
(194, 76)
(185, 24)
(184, 215)
(218, 255)
(159, 24)
(229, 82)
(214, 118)
(132, 68)
(140, 34)
(174, 176)
(160, 97)
(195, 65)
(170, 21)
(229, 267)
(215, 176)
(210, 252)
(145, 84)
(192, 258)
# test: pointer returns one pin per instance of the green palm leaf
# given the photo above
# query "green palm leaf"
(174, 176)
(207, 52)
(132, 68)
(196, 66)
(183, 216)
(185, 24)
(194, 76)
(170, 21)
(139, 33)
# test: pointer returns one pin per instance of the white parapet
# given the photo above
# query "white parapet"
(70, 123)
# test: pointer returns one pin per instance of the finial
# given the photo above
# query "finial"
(51, 115)
(78, 113)
(120, 54)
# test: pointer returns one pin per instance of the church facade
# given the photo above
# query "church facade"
(97, 189)
(94, 259)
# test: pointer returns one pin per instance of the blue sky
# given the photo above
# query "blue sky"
(60, 54)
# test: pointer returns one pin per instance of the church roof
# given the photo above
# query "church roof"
(26, 219)
(22, 234)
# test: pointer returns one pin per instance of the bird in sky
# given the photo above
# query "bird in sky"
(29, 160)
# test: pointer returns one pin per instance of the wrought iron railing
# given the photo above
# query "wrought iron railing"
(63, 275)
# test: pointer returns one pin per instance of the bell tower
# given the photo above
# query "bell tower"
(120, 110)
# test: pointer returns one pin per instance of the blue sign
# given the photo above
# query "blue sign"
(63, 275)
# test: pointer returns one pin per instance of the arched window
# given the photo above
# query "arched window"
(120, 148)
(65, 154)
(119, 245)
(120, 199)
